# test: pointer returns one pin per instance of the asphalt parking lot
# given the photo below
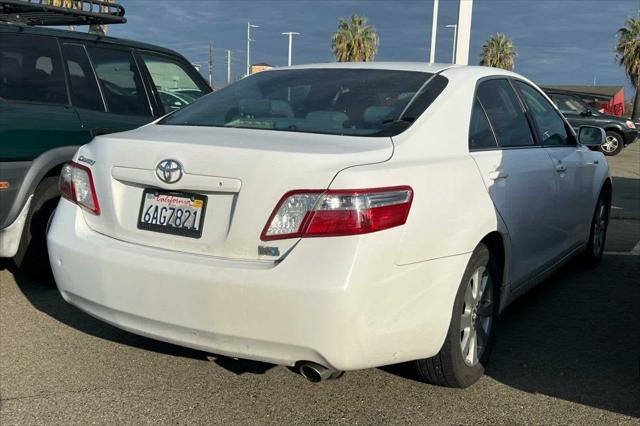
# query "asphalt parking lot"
(567, 352)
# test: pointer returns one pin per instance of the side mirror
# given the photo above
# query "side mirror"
(591, 136)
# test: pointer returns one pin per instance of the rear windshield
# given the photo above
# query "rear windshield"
(333, 101)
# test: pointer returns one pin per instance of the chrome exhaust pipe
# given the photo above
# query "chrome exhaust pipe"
(316, 373)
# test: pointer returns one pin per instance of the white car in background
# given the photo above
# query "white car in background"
(333, 217)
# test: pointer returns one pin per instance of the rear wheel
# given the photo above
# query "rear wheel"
(32, 256)
(613, 144)
(467, 347)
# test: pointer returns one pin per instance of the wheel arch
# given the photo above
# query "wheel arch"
(46, 164)
(616, 129)
(497, 245)
(607, 189)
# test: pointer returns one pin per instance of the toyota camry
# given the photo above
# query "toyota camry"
(333, 217)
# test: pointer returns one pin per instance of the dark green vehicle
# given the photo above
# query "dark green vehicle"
(59, 89)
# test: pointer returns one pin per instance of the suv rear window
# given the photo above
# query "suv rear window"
(175, 86)
(31, 69)
(360, 102)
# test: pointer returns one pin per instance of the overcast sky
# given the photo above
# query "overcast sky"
(558, 41)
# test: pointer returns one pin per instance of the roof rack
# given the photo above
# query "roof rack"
(61, 12)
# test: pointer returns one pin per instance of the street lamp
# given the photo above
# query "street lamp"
(455, 36)
(290, 34)
(249, 26)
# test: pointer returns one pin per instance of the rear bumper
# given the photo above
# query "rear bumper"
(334, 301)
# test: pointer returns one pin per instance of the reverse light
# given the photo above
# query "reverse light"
(76, 185)
(630, 124)
(311, 213)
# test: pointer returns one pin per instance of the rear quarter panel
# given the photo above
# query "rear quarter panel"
(451, 210)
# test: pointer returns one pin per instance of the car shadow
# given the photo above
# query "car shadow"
(576, 337)
(44, 296)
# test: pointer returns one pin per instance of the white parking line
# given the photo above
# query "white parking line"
(634, 252)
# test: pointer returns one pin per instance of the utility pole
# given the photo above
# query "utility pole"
(455, 40)
(434, 30)
(249, 26)
(228, 66)
(211, 65)
(290, 34)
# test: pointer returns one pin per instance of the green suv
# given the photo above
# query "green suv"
(59, 89)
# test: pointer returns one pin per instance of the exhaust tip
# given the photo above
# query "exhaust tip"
(310, 373)
(316, 373)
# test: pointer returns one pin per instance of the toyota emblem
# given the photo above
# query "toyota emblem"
(169, 171)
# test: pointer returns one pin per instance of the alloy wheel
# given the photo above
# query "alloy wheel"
(477, 316)
(599, 228)
(610, 144)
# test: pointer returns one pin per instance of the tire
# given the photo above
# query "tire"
(453, 366)
(592, 255)
(613, 144)
(32, 257)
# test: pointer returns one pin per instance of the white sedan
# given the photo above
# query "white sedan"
(333, 217)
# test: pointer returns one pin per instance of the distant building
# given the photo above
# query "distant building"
(608, 99)
(262, 66)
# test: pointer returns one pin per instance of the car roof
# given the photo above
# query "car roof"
(459, 71)
(54, 32)
(396, 66)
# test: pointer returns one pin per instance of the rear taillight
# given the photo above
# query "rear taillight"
(338, 212)
(76, 185)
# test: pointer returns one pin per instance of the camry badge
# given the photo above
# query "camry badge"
(169, 171)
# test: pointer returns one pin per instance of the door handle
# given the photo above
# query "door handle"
(498, 174)
(560, 168)
(97, 131)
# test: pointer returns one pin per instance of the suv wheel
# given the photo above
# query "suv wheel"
(466, 349)
(613, 144)
(32, 256)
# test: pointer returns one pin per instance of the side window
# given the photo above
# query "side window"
(505, 113)
(552, 128)
(84, 87)
(480, 133)
(120, 80)
(173, 83)
(31, 69)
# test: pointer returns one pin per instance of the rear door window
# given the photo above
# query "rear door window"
(120, 80)
(480, 134)
(551, 127)
(84, 87)
(31, 69)
(505, 113)
(173, 82)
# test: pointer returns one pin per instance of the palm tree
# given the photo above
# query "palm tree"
(628, 55)
(499, 52)
(355, 40)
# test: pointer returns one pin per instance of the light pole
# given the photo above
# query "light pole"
(434, 30)
(290, 34)
(249, 26)
(211, 65)
(455, 36)
(228, 66)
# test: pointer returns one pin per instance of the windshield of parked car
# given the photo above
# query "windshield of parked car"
(570, 104)
(332, 101)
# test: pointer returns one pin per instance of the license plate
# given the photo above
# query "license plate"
(169, 212)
